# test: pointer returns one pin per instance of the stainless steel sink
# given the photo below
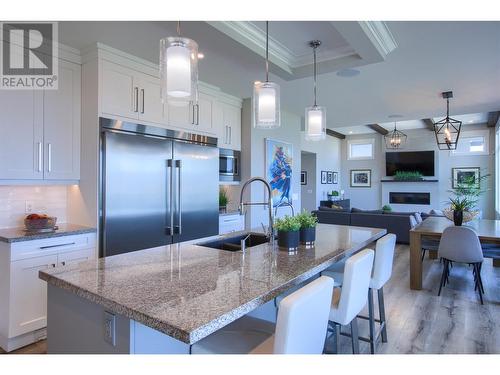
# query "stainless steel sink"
(234, 243)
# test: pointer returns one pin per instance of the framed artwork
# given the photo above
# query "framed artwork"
(461, 175)
(329, 177)
(279, 161)
(324, 177)
(303, 178)
(361, 177)
(335, 177)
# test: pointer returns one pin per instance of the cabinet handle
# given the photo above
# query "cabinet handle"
(142, 92)
(197, 114)
(63, 263)
(40, 156)
(51, 246)
(192, 114)
(53, 265)
(136, 99)
(49, 167)
(226, 136)
(230, 134)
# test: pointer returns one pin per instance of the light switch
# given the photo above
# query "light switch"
(109, 328)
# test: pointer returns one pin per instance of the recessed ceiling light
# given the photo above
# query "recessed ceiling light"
(348, 73)
(395, 116)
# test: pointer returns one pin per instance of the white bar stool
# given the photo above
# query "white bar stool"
(382, 272)
(349, 301)
(300, 328)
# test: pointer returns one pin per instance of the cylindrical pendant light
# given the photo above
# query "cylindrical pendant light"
(266, 98)
(315, 115)
(179, 69)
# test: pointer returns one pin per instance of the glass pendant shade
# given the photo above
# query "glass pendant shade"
(266, 105)
(315, 123)
(179, 70)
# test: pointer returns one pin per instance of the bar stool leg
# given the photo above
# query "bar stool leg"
(381, 309)
(355, 336)
(371, 317)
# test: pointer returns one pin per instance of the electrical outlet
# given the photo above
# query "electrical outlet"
(28, 207)
(109, 327)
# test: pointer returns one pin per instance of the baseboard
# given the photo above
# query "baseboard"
(13, 343)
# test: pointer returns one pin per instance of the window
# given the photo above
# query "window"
(473, 143)
(360, 149)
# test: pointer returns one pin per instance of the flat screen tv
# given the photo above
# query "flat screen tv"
(420, 161)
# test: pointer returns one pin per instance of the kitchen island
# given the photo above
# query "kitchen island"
(164, 299)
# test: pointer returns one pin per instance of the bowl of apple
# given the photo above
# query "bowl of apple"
(40, 223)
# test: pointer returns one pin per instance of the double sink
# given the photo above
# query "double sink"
(235, 243)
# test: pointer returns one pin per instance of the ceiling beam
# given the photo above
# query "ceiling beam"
(378, 129)
(429, 123)
(335, 134)
(493, 118)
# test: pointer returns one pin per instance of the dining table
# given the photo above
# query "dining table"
(488, 231)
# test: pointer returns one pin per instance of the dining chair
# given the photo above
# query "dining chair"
(382, 272)
(461, 244)
(349, 301)
(418, 217)
(426, 243)
(300, 329)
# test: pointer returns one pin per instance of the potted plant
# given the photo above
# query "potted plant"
(387, 208)
(223, 200)
(408, 176)
(333, 193)
(308, 223)
(458, 206)
(288, 229)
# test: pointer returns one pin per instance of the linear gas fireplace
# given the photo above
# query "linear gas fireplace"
(409, 198)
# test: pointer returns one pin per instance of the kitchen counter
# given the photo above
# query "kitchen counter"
(188, 291)
(10, 235)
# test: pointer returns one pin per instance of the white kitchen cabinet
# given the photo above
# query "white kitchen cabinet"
(40, 130)
(128, 93)
(61, 125)
(230, 128)
(180, 115)
(21, 134)
(203, 113)
(23, 296)
(231, 223)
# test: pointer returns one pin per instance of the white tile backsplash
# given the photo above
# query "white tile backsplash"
(51, 200)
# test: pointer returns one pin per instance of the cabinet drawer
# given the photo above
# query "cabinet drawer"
(231, 223)
(37, 248)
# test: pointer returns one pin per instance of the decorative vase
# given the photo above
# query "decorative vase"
(288, 240)
(458, 217)
(308, 236)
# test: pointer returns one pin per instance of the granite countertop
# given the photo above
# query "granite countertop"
(10, 235)
(188, 291)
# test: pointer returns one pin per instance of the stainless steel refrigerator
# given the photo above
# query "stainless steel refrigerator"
(158, 187)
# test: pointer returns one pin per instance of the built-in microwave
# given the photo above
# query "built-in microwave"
(229, 165)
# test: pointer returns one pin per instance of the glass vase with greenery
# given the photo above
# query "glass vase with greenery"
(223, 199)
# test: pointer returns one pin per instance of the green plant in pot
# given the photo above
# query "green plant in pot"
(387, 208)
(308, 223)
(408, 176)
(464, 201)
(288, 229)
(223, 199)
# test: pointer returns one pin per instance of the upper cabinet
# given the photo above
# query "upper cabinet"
(129, 89)
(40, 130)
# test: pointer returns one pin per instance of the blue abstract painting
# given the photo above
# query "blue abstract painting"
(279, 161)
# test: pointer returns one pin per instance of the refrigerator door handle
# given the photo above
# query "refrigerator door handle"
(178, 165)
(171, 196)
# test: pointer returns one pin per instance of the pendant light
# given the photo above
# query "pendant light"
(315, 116)
(266, 98)
(179, 69)
(448, 129)
(395, 138)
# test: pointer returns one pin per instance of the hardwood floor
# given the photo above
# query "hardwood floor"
(420, 321)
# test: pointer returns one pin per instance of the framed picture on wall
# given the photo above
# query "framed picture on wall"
(335, 177)
(329, 177)
(463, 175)
(361, 177)
(323, 177)
(303, 178)
(279, 162)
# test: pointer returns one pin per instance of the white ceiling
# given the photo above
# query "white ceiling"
(431, 57)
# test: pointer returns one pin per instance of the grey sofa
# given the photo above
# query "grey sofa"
(395, 222)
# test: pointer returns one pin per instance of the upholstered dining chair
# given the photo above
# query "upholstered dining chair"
(427, 243)
(461, 244)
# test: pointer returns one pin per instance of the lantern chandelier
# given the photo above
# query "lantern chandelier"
(395, 138)
(266, 98)
(179, 69)
(315, 115)
(448, 129)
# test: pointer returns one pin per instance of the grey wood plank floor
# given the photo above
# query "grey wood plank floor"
(420, 321)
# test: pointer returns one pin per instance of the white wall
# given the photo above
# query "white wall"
(308, 191)
(419, 140)
(51, 200)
